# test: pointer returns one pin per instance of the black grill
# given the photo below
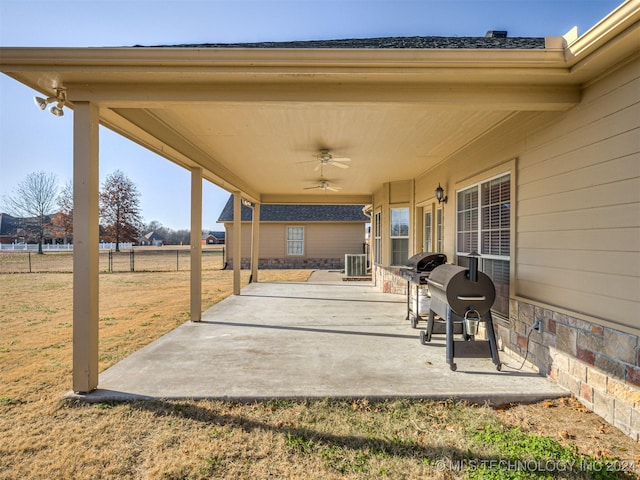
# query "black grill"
(463, 296)
(417, 272)
(420, 265)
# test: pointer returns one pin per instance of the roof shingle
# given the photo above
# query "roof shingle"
(384, 43)
(298, 213)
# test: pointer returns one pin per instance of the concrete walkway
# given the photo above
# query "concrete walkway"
(323, 338)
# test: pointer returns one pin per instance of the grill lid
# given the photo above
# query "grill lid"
(426, 261)
(451, 285)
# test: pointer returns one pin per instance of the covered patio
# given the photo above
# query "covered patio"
(323, 338)
(522, 149)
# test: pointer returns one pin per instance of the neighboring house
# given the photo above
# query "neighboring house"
(535, 143)
(299, 236)
(213, 238)
(22, 230)
(152, 239)
(10, 229)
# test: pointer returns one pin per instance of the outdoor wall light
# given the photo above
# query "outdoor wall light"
(60, 98)
(440, 196)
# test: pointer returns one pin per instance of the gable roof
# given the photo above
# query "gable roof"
(297, 213)
(153, 235)
(218, 235)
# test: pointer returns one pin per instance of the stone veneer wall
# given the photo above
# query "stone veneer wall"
(599, 365)
(388, 279)
(289, 263)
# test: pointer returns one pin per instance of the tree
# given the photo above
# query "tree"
(62, 222)
(34, 200)
(120, 209)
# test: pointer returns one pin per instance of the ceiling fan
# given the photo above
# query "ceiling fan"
(324, 186)
(326, 158)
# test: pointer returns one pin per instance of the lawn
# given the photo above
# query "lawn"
(43, 436)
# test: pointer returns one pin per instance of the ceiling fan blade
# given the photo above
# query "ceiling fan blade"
(341, 159)
(312, 188)
(334, 189)
(317, 167)
(339, 165)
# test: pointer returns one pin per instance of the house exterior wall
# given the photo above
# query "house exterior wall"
(575, 239)
(325, 244)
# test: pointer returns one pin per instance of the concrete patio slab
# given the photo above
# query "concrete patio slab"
(323, 338)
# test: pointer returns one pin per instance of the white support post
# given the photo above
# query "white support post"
(255, 242)
(196, 244)
(237, 241)
(86, 247)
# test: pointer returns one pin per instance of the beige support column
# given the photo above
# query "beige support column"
(196, 244)
(85, 247)
(237, 241)
(255, 242)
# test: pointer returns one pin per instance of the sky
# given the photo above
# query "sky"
(33, 140)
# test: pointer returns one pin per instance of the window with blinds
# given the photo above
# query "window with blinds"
(377, 253)
(295, 240)
(428, 232)
(484, 225)
(399, 236)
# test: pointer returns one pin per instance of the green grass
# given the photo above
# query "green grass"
(520, 456)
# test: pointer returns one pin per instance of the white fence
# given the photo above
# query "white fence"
(33, 247)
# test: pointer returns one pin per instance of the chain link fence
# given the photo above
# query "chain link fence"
(140, 259)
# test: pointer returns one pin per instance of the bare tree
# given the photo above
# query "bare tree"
(120, 209)
(34, 200)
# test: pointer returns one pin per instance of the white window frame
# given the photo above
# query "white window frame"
(487, 262)
(428, 230)
(295, 241)
(479, 230)
(439, 229)
(399, 235)
(377, 237)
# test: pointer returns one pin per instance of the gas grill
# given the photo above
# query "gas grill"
(416, 273)
(462, 296)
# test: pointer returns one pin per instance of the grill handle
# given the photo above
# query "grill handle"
(464, 298)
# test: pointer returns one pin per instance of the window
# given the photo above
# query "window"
(484, 225)
(377, 238)
(428, 232)
(295, 240)
(399, 236)
(439, 231)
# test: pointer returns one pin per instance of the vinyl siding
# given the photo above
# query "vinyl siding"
(578, 204)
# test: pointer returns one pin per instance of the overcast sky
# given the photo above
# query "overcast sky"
(33, 140)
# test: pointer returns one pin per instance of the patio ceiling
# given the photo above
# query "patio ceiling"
(253, 119)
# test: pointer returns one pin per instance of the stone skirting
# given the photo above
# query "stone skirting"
(290, 263)
(388, 280)
(597, 364)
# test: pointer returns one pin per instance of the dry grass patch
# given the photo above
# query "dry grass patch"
(42, 436)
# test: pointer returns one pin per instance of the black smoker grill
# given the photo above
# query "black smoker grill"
(463, 296)
(417, 272)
